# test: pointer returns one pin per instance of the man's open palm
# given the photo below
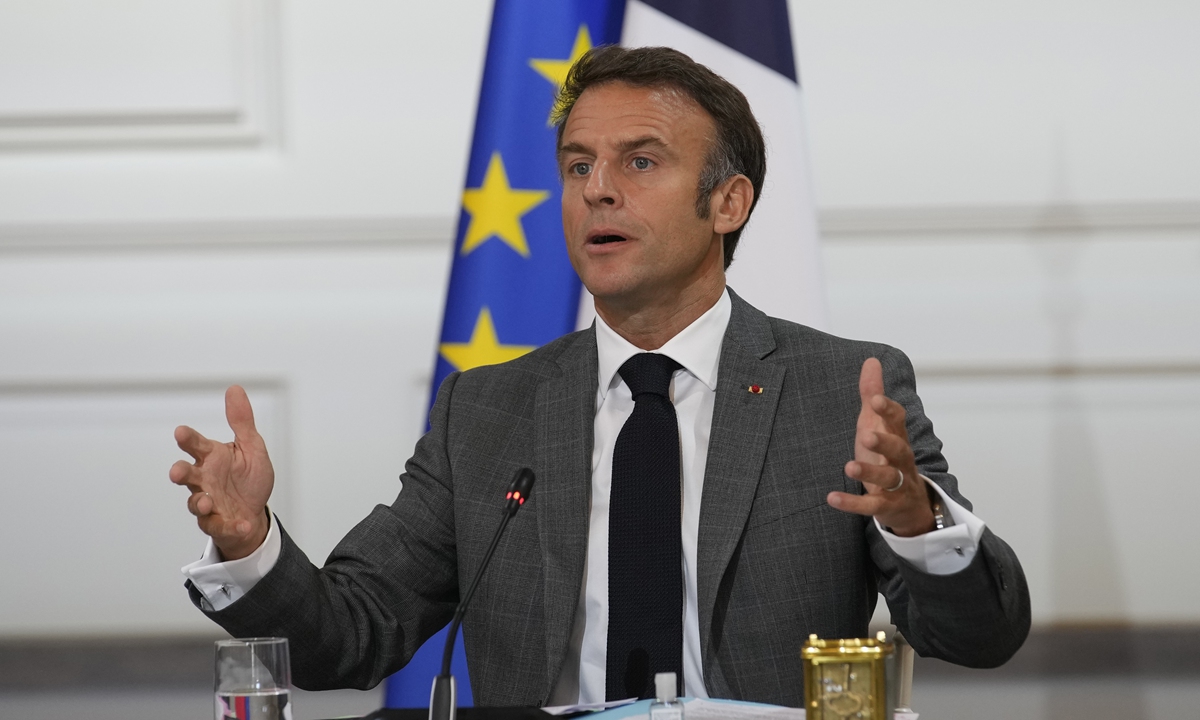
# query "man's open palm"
(230, 482)
(883, 462)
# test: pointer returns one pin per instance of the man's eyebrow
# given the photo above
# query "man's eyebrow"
(574, 147)
(640, 142)
(623, 146)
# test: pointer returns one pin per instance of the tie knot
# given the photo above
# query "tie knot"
(648, 373)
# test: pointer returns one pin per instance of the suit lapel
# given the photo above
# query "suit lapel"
(741, 431)
(564, 415)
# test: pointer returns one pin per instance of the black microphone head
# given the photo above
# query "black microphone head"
(518, 490)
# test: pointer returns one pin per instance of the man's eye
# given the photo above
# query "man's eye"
(642, 163)
(580, 169)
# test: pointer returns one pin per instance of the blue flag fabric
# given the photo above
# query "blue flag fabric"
(758, 29)
(512, 287)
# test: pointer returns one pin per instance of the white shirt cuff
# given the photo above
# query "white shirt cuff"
(940, 552)
(224, 583)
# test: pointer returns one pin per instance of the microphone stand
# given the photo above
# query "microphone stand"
(443, 697)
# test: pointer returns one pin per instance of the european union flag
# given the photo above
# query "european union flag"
(512, 287)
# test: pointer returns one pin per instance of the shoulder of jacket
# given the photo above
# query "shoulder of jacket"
(794, 339)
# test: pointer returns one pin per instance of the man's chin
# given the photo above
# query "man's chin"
(606, 296)
(622, 298)
(603, 282)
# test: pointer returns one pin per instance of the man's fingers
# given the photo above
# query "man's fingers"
(200, 504)
(894, 449)
(857, 504)
(185, 473)
(883, 461)
(870, 380)
(892, 412)
(881, 476)
(192, 442)
(239, 414)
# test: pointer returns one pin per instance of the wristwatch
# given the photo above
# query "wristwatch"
(942, 519)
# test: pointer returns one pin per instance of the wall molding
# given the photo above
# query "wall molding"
(253, 121)
(64, 664)
(107, 385)
(837, 223)
(61, 664)
(1067, 370)
(249, 234)
(1054, 222)
(1087, 651)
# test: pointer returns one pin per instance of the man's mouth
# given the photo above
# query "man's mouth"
(606, 239)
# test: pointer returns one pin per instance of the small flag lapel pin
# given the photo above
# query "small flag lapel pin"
(755, 389)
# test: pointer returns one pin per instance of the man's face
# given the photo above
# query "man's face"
(631, 160)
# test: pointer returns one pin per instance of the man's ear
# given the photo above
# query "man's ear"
(731, 204)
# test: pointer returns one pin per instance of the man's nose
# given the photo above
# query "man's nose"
(601, 188)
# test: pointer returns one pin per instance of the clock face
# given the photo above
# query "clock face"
(845, 691)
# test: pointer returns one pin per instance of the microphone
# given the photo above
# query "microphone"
(443, 698)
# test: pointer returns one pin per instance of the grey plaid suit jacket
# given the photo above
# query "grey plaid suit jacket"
(775, 561)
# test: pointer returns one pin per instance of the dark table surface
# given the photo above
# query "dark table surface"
(463, 714)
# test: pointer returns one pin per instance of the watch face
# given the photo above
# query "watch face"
(939, 513)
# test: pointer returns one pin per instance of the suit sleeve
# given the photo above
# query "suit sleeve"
(977, 617)
(388, 585)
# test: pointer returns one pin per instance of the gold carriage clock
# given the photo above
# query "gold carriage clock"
(848, 679)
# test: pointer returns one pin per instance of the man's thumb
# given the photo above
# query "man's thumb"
(870, 380)
(238, 412)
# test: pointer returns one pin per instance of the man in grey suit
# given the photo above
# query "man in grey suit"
(810, 478)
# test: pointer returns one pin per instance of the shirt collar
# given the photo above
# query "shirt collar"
(697, 347)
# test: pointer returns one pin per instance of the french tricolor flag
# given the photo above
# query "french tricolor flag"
(777, 267)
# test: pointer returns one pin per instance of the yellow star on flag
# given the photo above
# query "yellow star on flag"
(484, 347)
(496, 210)
(556, 70)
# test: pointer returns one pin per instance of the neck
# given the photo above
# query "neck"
(650, 325)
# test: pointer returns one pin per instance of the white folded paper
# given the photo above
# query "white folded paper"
(701, 709)
(586, 707)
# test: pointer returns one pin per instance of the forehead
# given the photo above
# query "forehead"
(616, 112)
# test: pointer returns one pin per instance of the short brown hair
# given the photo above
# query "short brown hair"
(738, 148)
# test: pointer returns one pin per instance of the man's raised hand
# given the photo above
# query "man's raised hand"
(230, 482)
(883, 462)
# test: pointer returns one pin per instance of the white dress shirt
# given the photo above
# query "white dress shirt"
(693, 391)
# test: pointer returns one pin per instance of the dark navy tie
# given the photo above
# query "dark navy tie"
(645, 566)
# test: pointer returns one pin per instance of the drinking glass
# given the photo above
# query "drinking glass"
(253, 679)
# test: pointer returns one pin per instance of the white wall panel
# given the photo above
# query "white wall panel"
(91, 527)
(1084, 477)
(1003, 299)
(1061, 368)
(1022, 102)
(376, 105)
(101, 357)
(87, 75)
(71, 58)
